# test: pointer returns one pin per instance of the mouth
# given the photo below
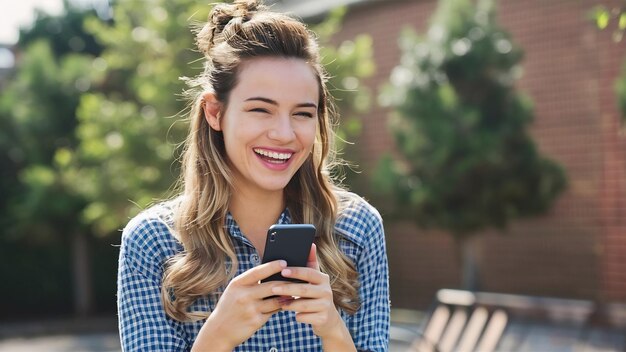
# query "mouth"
(272, 156)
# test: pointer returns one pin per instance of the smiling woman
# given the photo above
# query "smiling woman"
(258, 153)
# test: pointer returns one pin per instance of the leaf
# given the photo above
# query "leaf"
(38, 176)
(621, 24)
(602, 19)
(63, 157)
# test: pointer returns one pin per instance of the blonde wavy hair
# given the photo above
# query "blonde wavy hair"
(236, 32)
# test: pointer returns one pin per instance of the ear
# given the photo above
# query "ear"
(212, 110)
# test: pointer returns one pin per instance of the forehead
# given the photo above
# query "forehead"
(280, 79)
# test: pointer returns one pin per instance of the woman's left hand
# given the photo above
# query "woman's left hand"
(314, 304)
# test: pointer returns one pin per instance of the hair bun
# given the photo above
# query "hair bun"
(221, 15)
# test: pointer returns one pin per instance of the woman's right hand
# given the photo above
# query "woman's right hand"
(241, 309)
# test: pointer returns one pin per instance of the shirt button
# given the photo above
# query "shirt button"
(273, 349)
(254, 259)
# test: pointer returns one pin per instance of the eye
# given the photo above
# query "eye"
(305, 114)
(260, 110)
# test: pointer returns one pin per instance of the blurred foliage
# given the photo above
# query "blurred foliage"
(348, 64)
(37, 120)
(40, 209)
(608, 17)
(65, 34)
(466, 161)
(620, 89)
(129, 130)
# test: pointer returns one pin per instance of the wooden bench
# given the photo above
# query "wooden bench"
(481, 321)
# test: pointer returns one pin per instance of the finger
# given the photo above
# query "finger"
(300, 290)
(258, 273)
(265, 290)
(268, 315)
(306, 274)
(271, 306)
(304, 305)
(312, 260)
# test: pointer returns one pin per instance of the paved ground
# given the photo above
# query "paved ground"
(88, 343)
(96, 334)
(547, 341)
(103, 342)
(100, 335)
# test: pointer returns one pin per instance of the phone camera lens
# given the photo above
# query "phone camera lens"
(272, 236)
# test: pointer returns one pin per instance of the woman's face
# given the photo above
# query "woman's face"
(270, 123)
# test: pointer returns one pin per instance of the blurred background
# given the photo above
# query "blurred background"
(489, 134)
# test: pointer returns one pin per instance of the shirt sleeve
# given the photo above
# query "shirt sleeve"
(143, 324)
(373, 334)
(370, 325)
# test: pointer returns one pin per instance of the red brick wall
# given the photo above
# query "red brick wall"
(578, 250)
(613, 195)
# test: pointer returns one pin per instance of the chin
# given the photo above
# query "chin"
(274, 187)
(274, 182)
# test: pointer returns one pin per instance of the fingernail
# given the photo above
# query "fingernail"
(277, 289)
(283, 263)
(286, 272)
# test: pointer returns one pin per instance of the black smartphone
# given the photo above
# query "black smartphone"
(289, 242)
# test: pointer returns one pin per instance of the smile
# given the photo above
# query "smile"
(273, 157)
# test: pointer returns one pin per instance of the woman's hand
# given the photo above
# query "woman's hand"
(241, 309)
(315, 304)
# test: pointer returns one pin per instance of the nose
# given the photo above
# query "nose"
(282, 129)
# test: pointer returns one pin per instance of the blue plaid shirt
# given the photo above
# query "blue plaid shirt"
(147, 242)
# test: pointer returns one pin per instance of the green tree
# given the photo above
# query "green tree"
(37, 120)
(467, 161)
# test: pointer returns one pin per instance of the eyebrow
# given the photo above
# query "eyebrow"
(274, 102)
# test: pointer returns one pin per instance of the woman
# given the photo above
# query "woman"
(257, 154)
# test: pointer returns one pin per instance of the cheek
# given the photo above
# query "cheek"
(234, 146)
(236, 137)
(307, 135)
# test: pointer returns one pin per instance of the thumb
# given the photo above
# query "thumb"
(312, 261)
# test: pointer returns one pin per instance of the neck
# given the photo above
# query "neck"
(255, 213)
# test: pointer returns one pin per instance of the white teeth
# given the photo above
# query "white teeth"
(273, 155)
